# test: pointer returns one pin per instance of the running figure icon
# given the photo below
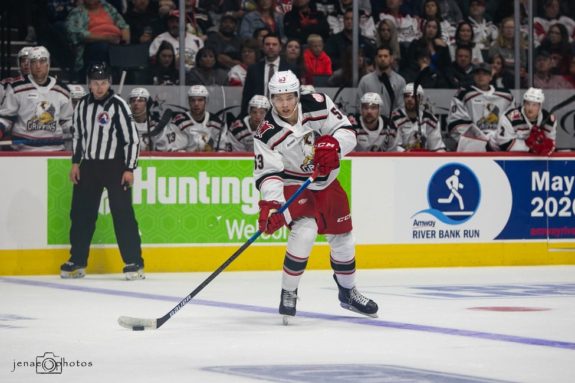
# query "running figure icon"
(453, 185)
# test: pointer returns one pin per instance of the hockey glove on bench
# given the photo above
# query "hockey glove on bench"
(270, 220)
(539, 143)
(326, 154)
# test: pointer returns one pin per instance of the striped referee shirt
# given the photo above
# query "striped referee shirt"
(105, 130)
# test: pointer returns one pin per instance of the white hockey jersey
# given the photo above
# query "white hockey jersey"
(382, 139)
(241, 135)
(474, 116)
(284, 153)
(412, 135)
(515, 128)
(35, 112)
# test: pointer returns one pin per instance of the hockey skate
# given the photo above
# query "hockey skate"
(288, 302)
(353, 300)
(70, 270)
(133, 271)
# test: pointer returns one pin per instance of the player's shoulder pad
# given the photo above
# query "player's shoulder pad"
(429, 116)
(267, 129)
(20, 82)
(397, 114)
(514, 115)
(212, 117)
(179, 117)
(353, 119)
(62, 88)
(313, 102)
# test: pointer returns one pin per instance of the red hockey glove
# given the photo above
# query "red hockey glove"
(326, 154)
(539, 143)
(270, 221)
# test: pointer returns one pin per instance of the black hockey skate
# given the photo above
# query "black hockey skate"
(288, 302)
(70, 270)
(353, 300)
(133, 271)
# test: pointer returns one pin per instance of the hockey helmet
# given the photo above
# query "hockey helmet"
(534, 95)
(259, 101)
(409, 88)
(198, 91)
(283, 82)
(76, 91)
(38, 53)
(307, 89)
(371, 98)
(99, 71)
(140, 93)
(24, 53)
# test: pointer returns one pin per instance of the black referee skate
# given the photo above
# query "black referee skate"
(133, 271)
(288, 302)
(70, 270)
(353, 300)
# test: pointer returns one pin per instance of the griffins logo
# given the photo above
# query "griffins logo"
(453, 194)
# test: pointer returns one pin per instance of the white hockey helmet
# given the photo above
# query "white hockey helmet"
(307, 89)
(140, 93)
(24, 53)
(198, 91)
(283, 82)
(76, 91)
(259, 101)
(38, 53)
(410, 87)
(371, 98)
(534, 95)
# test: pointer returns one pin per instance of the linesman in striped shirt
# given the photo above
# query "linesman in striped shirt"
(105, 154)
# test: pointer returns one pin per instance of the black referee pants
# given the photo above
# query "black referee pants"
(95, 175)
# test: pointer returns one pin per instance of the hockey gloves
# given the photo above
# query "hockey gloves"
(539, 143)
(270, 220)
(326, 154)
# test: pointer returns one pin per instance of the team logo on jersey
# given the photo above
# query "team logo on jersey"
(490, 118)
(263, 128)
(318, 97)
(44, 118)
(103, 118)
(453, 194)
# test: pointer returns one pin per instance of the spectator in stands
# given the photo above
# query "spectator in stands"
(557, 44)
(407, 26)
(163, 70)
(92, 26)
(260, 73)
(552, 15)
(304, 20)
(52, 33)
(259, 35)
(249, 54)
(226, 43)
(193, 43)
(464, 36)
(484, 31)
(317, 62)
(432, 11)
(432, 42)
(335, 12)
(505, 45)
(376, 82)
(450, 11)
(144, 22)
(293, 54)
(337, 43)
(343, 77)
(501, 76)
(205, 71)
(387, 35)
(432, 78)
(164, 7)
(264, 16)
(198, 19)
(543, 78)
(460, 72)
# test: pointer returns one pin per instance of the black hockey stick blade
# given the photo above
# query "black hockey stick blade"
(164, 120)
(138, 324)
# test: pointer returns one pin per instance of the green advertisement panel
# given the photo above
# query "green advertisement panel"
(177, 201)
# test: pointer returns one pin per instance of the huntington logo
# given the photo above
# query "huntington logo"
(453, 194)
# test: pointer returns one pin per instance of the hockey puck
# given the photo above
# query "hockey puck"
(138, 328)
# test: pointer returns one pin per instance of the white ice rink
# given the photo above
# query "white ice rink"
(513, 324)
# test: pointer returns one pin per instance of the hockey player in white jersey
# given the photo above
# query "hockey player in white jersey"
(528, 128)
(374, 133)
(139, 101)
(23, 69)
(417, 128)
(475, 112)
(243, 129)
(299, 134)
(37, 108)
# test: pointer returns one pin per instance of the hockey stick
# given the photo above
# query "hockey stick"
(138, 324)
(416, 86)
(30, 142)
(164, 120)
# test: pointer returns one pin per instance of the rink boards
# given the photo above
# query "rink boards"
(413, 210)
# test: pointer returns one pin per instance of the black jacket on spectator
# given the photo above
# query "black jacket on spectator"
(336, 46)
(299, 25)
